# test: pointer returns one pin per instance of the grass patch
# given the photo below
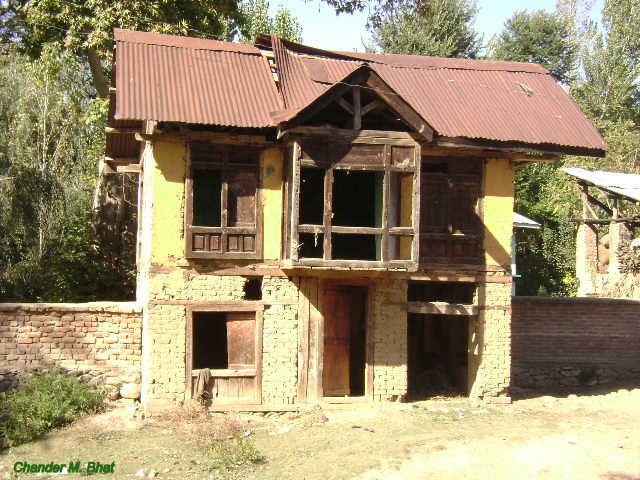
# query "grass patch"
(221, 437)
(44, 401)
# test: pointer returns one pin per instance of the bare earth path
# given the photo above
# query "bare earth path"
(595, 435)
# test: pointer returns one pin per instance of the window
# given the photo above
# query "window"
(450, 224)
(223, 218)
(354, 202)
(227, 340)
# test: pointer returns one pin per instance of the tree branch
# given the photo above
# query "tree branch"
(97, 72)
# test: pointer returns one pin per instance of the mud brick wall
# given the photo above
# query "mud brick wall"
(100, 341)
(565, 341)
(491, 336)
(390, 339)
(280, 340)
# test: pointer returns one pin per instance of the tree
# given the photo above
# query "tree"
(442, 28)
(608, 89)
(86, 26)
(51, 132)
(539, 37)
(257, 20)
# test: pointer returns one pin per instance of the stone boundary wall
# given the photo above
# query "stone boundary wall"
(559, 342)
(100, 341)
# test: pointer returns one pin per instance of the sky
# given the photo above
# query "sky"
(322, 28)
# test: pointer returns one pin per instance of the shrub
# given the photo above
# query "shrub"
(44, 401)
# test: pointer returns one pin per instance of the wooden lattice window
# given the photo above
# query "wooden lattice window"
(450, 223)
(222, 215)
(354, 203)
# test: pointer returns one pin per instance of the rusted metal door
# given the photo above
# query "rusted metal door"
(337, 310)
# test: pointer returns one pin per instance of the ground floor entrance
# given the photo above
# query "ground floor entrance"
(344, 358)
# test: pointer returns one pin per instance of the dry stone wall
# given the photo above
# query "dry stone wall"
(101, 342)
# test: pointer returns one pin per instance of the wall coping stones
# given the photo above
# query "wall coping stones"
(108, 307)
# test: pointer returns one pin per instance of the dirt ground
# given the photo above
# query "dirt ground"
(592, 435)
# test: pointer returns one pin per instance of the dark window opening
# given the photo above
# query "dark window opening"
(253, 289)
(207, 195)
(210, 340)
(311, 196)
(449, 292)
(357, 198)
(437, 355)
(311, 245)
(352, 246)
(223, 340)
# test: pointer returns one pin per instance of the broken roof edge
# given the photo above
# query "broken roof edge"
(407, 61)
(180, 41)
(603, 180)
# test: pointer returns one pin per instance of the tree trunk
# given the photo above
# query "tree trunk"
(97, 72)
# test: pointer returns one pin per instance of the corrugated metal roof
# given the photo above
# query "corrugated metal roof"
(501, 101)
(625, 184)
(167, 78)
(520, 221)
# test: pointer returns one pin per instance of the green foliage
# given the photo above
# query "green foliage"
(257, 20)
(45, 401)
(538, 37)
(442, 28)
(546, 257)
(233, 453)
(51, 134)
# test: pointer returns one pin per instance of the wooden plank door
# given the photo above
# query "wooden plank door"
(337, 311)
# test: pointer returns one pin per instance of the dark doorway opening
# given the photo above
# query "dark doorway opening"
(344, 363)
(438, 355)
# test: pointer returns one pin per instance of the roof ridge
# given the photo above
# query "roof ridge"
(180, 41)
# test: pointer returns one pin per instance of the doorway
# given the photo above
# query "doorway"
(344, 357)
(438, 355)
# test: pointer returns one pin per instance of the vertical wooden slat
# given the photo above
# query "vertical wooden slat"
(295, 200)
(224, 203)
(370, 335)
(357, 115)
(385, 204)
(258, 355)
(415, 251)
(328, 212)
(303, 338)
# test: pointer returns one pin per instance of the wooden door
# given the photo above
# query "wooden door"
(337, 309)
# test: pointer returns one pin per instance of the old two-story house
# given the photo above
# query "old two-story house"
(321, 226)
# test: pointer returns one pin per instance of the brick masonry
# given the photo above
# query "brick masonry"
(100, 341)
(567, 341)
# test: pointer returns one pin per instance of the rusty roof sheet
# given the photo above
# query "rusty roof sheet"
(499, 101)
(169, 78)
(181, 79)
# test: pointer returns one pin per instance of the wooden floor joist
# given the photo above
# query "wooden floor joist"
(441, 308)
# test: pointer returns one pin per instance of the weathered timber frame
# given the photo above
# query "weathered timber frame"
(230, 375)
(311, 340)
(612, 208)
(225, 241)
(329, 162)
(463, 191)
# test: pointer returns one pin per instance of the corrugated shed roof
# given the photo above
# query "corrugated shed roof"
(520, 221)
(168, 78)
(625, 184)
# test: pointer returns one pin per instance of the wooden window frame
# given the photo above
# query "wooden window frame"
(326, 229)
(224, 231)
(256, 372)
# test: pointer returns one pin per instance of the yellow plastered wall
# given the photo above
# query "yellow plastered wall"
(498, 211)
(167, 240)
(271, 163)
